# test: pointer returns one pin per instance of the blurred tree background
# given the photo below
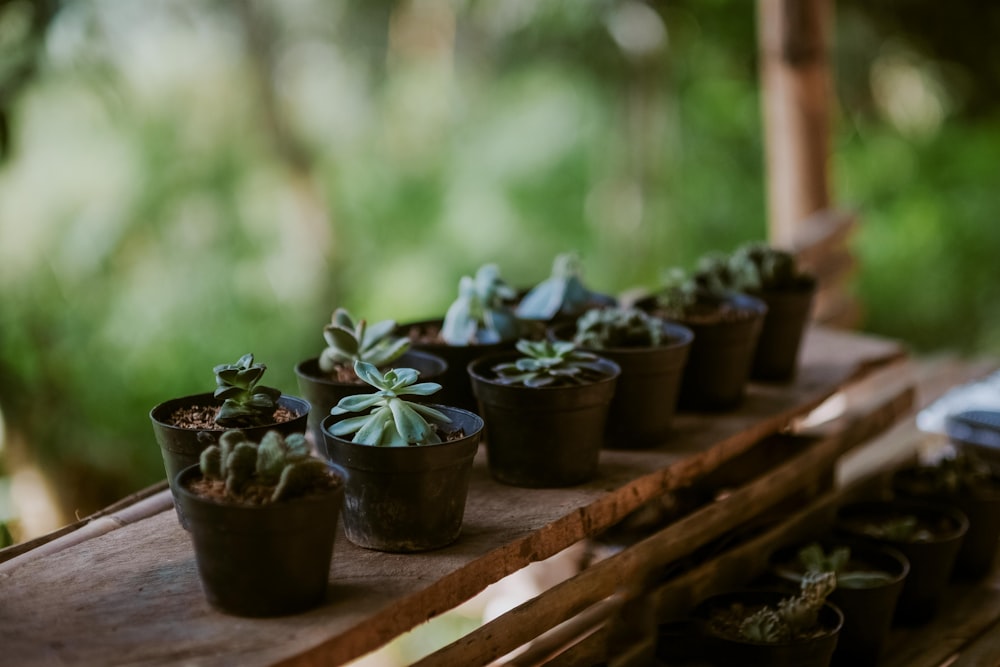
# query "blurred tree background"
(186, 181)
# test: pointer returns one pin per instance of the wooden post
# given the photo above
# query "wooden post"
(794, 39)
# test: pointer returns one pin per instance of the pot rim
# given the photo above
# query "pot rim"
(490, 359)
(301, 406)
(468, 414)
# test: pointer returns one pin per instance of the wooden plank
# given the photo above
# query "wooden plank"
(123, 511)
(984, 650)
(132, 595)
(968, 612)
(635, 565)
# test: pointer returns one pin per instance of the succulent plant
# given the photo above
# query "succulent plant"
(814, 560)
(349, 341)
(550, 363)
(281, 463)
(758, 266)
(793, 616)
(904, 528)
(481, 314)
(714, 273)
(244, 401)
(959, 474)
(603, 328)
(678, 293)
(393, 421)
(562, 293)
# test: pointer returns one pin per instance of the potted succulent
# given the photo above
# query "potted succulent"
(325, 379)
(561, 296)
(773, 276)
(651, 353)
(726, 325)
(761, 628)
(262, 517)
(408, 464)
(185, 426)
(480, 321)
(869, 581)
(969, 483)
(929, 535)
(546, 408)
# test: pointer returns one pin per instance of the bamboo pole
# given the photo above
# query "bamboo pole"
(794, 44)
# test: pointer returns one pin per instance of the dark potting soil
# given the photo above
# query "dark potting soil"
(254, 493)
(202, 417)
(426, 334)
(712, 313)
(726, 622)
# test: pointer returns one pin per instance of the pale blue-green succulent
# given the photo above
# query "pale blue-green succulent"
(481, 314)
(562, 293)
(393, 420)
(349, 341)
(245, 402)
(283, 463)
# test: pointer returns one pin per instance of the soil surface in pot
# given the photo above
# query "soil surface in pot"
(202, 418)
(253, 493)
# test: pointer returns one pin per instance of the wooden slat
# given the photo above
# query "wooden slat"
(132, 595)
(634, 565)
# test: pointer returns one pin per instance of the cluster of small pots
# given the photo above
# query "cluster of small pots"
(956, 538)
(408, 499)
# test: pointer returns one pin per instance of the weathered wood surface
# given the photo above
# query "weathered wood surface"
(132, 596)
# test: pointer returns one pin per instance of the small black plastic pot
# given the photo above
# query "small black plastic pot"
(777, 354)
(265, 560)
(406, 499)
(868, 611)
(814, 651)
(980, 505)
(645, 399)
(456, 389)
(182, 447)
(542, 437)
(324, 393)
(931, 560)
(722, 352)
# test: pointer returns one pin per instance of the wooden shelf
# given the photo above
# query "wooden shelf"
(130, 593)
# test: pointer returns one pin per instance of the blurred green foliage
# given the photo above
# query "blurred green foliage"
(190, 181)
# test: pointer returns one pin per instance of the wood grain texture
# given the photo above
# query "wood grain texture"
(132, 595)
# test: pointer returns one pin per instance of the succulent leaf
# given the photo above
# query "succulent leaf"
(393, 421)
(349, 341)
(245, 402)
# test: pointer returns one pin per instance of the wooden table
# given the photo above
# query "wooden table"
(122, 587)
